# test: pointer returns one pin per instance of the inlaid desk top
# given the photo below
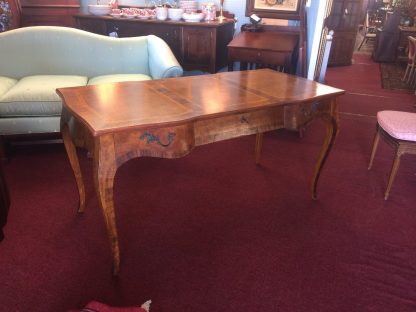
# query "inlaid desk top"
(168, 118)
(116, 107)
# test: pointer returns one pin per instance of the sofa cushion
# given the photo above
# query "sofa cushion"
(36, 95)
(400, 125)
(118, 78)
(5, 84)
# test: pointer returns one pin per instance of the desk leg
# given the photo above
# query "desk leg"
(104, 172)
(73, 158)
(331, 120)
(259, 145)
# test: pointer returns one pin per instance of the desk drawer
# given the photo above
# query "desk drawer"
(227, 127)
(276, 58)
(259, 56)
(243, 55)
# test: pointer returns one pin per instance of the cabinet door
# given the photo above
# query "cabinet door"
(342, 49)
(345, 15)
(169, 33)
(343, 20)
(199, 48)
(92, 25)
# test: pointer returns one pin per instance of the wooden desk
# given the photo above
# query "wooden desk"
(168, 118)
(265, 48)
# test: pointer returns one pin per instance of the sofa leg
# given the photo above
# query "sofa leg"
(3, 153)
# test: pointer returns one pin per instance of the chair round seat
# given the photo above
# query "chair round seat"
(400, 125)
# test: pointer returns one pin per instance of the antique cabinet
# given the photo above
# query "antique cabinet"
(344, 20)
(197, 46)
(49, 12)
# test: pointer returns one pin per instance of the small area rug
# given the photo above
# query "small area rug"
(391, 77)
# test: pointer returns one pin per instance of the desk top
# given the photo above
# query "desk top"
(272, 41)
(120, 106)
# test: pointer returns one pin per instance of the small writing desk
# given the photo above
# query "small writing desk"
(264, 48)
(168, 118)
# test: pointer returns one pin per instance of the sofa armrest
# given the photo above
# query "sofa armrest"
(162, 62)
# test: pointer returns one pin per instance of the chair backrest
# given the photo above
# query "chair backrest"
(367, 21)
(412, 49)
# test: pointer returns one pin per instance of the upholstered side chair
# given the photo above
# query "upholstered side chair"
(398, 129)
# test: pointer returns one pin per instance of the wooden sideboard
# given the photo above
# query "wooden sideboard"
(197, 46)
(49, 12)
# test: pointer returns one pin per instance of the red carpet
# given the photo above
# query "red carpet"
(365, 95)
(214, 232)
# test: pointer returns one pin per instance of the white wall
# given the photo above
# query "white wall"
(314, 11)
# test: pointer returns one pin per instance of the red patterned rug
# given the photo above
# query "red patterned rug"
(391, 77)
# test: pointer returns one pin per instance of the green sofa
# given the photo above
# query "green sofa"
(35, 61)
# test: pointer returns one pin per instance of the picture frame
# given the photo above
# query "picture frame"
(279, 9)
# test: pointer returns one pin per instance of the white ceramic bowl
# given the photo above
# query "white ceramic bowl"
(188, 6)
(192, 17)
(99, 9)
(175, 14)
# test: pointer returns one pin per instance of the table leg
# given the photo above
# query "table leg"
(331, 120)
(73, 158)
(104, 172)
(259, 145)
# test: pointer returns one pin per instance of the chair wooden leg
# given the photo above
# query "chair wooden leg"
(361, 44)
(375, 145)
(411, 76)
(404, 79)
(393, 172)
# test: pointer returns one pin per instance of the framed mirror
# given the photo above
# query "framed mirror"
(280, 9)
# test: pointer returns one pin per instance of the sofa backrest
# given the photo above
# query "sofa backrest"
(53, 50)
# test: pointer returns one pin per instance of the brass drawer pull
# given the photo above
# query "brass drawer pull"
(150, 138)
(244, 119)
